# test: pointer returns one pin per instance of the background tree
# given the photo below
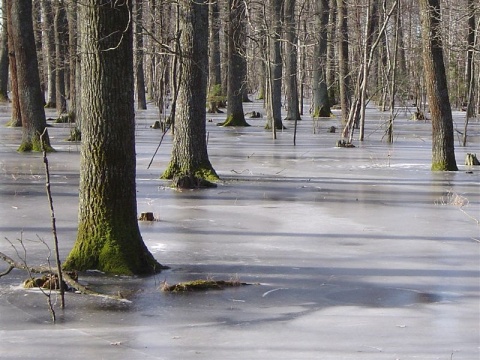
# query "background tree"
(16, 118)
(49, 40)
(291, 68)
(108, 236)
(3, 55)
(189, 166)
(443, 152)
(61, 41)
(236, 81)
(29, 91)
(139, 57)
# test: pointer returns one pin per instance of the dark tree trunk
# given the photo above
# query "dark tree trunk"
(443, 152)
(321, 103)
(331, 71)
(236, 64)
(470, 88)
(29, 91)
(108, 236)
(291, 85)
(189, 165)
(61, 41)
(214, 65)
(343, 69)
(4, 55)
(139, 68)
(16, 119)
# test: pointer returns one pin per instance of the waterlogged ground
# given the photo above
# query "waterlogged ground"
(357, 253)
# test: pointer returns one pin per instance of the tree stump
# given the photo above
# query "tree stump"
(146, 216)
(471, 160)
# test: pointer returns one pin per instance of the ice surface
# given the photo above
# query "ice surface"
(357, 253)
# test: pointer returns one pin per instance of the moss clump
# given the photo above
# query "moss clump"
(233, 120)
(201, 285)
(443, 166)
(201, 177)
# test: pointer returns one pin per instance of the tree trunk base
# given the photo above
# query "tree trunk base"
(146, 216)
(234, 121)
(471, 160)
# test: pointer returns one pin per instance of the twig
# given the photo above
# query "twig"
(158, 147)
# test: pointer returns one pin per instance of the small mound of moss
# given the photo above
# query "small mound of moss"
(201, 285)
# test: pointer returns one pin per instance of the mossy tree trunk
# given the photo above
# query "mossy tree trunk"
(4, 55)
(291, 85)
(108, 236)
(190, 166)
(236, 64)
(443, 152)
(29, 92)
(321, 102)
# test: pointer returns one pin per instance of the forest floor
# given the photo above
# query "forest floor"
(360, 253)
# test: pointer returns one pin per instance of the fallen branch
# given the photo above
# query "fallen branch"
(201, 285)
(66, 277)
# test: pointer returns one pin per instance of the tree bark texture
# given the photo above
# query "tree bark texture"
(189, 166)
(108, 236)
(139, 68)
(72, 52)
(443, 152)
(29, 91)
(214, 64)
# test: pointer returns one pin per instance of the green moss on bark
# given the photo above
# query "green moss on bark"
(443, 166)
(121, 252)
(234, 121)
(201, 177)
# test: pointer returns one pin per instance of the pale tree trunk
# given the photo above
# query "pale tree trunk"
(108, 237)
(16, 118)
(139, 57)
(189, 166)
(291, 84)
(236, 64)
(320, 100)
(443, 151)
(29, 92)
(214, 64)
(470, 63)
(331, 74)
(4, 55)
(48, 25)
(61, 40)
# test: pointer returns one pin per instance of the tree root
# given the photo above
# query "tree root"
(67, 278)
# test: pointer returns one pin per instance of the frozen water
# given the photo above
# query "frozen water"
(357, 253)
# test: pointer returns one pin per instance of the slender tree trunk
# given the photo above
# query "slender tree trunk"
(72, 42)
(108, 236)
(29, 91)
(470, 73)
(16, 119)
(61, 40)
(331, 72)
(48, 25)
(291, 39)
(214, 64)
(443, 151)
(189, 165)
(4, 55)
(321, 103)
(274, 116)
(139, 57)
(343, 68)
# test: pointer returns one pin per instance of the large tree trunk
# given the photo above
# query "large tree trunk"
(4, 55)
(443, 152)
(16, 118)
(236, 64)
(139, 68)
(29, 91)
(291, 85)
(321, 102)
(108, 236)
(189, 165)
(61, 40)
